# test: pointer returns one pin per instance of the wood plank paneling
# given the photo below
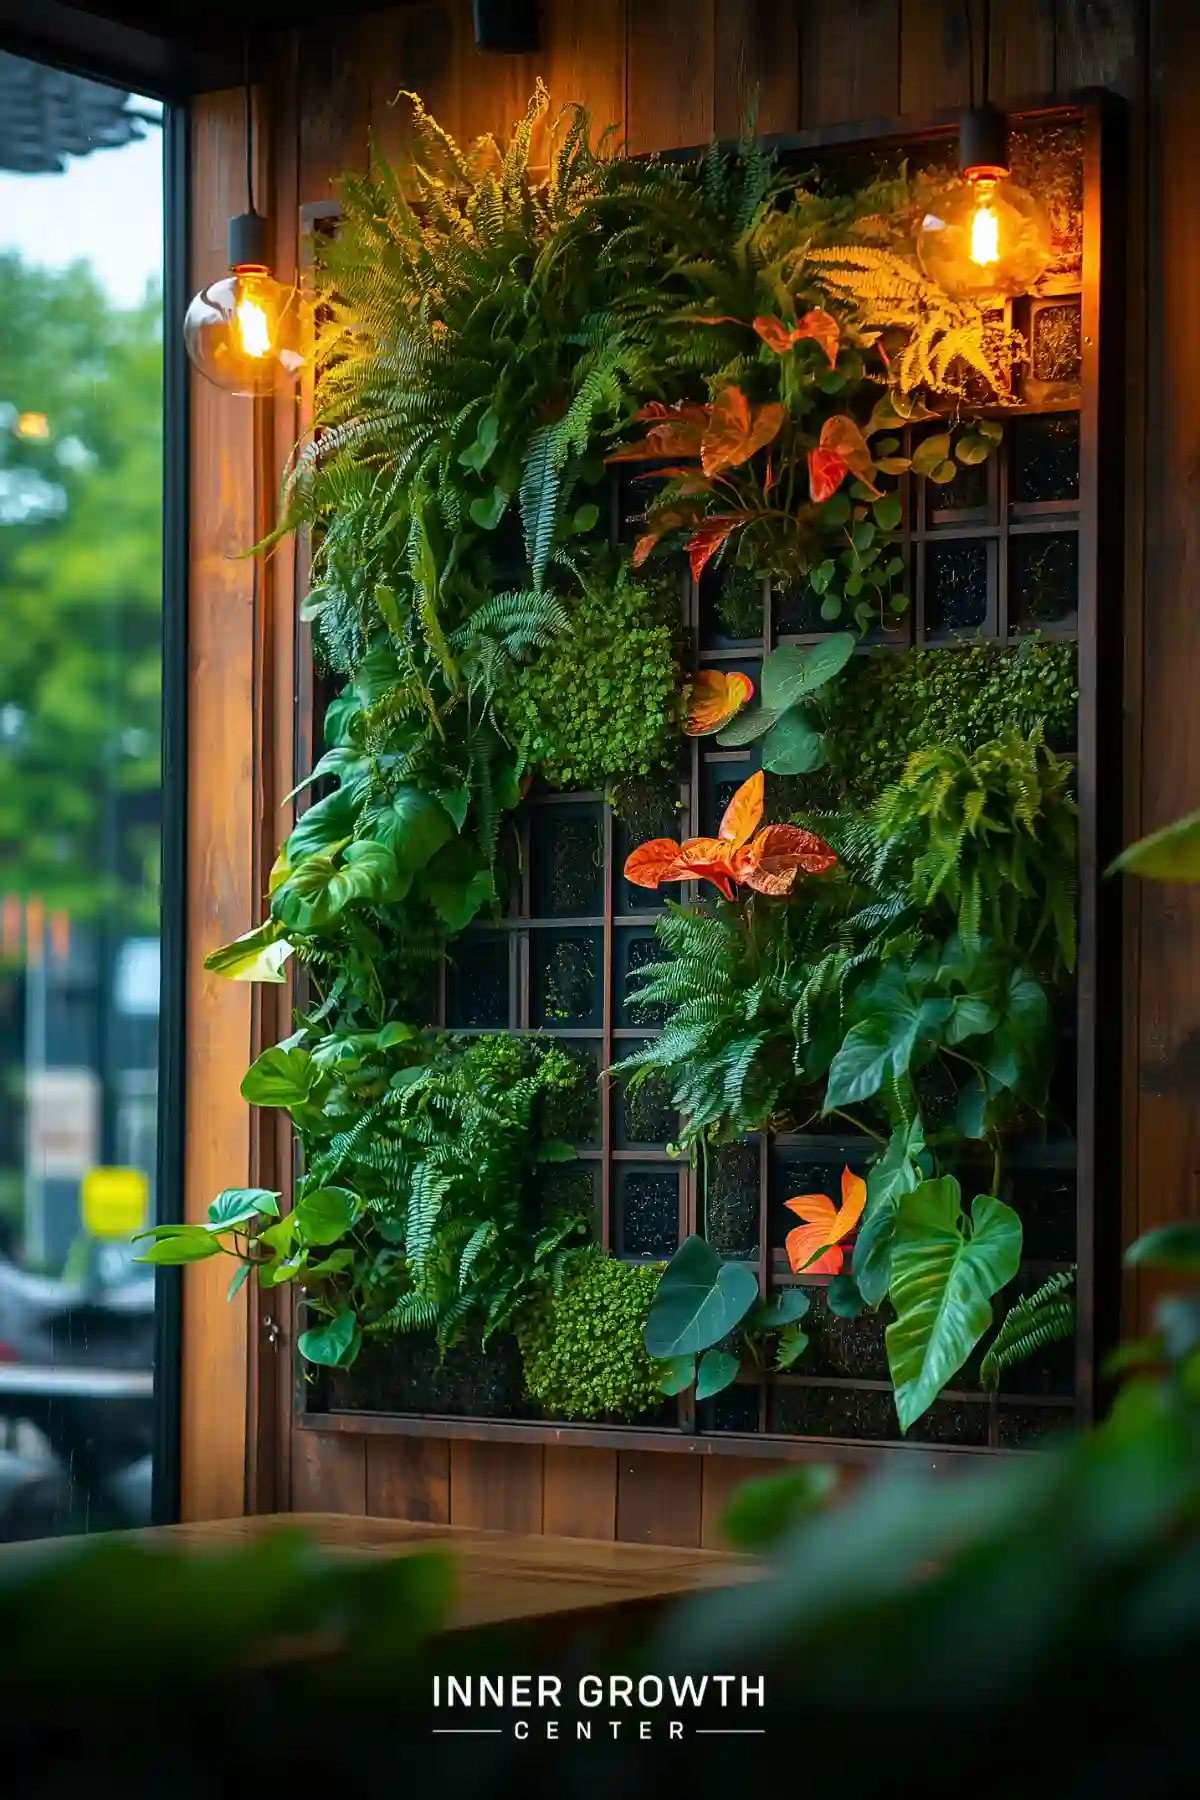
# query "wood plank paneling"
(328, 1473)
(583, 58)
(1098, 43)
(849, 61)
(496, 1487)
(659, 1498)
(941, 54)
(670, 77)
(580, 1493)
(409, 1478)
(756, 46)
(1021, 49)
(221, 902)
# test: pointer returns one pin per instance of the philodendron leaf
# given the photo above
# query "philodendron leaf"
(791, 673)
(279, 1078)
(1172, 854)
(237, 1206)
(844, 1298)
(414, 827)
(718, 1370)
(698, 1301)
(748, 725)
(332, 1344)
(1173, 1247)
(895, 1173)
(325, 1215)
(793, 746)
(783, 1308)
(258, 955)
(678, 1373)
(945, 1272)
(176, 1244)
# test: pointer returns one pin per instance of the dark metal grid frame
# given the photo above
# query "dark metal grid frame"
(1093, 516)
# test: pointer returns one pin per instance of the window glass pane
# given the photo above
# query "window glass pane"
(81, 228)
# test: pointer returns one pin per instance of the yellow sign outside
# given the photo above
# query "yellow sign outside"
(114, 1201)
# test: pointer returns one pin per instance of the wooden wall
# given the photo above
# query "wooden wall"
(671, 72)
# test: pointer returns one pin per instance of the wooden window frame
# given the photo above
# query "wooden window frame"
(1098, 520)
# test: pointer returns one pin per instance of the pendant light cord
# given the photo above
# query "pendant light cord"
(986, 70)
(249, 126)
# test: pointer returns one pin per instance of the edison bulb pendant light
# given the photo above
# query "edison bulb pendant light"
(990, 238)
(247, 332)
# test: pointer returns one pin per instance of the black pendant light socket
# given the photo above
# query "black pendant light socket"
(510, 26)
(983, 141)
(248, 241)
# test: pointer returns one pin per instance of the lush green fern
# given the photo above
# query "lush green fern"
(990, 834)
(1047, 1316)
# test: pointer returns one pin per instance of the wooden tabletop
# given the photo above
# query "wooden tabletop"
(503, 1577)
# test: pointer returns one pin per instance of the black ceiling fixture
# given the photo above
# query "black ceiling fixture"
(510, 26)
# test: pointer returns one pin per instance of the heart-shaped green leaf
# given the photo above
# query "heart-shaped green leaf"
(325, 1215)
(678, 1374)
(945, 1272)
(844, 1298)
(793, 746)
(718, 1370)
(179, 1244)
(236, 1206)
(791, 673)
(334, 1344)
(897, 1172)
(698, 1301)
(930, 453)
(279, 1078)
(487, 513)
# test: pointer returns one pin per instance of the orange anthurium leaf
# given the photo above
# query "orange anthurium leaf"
(822, 327)
(828, 1263)
(825, 1226)
(854, 1199)
(743, 812)
(842, 436)
(652, 862)
(779, 853)
(708, 537)
(715, 698)
(706, 859)
(775, 334)
(735, 432)
(690, 410)
(826, 471)
(660, 526)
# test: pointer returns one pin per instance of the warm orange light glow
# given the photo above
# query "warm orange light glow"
(33, 425)
(985, 236)
(252, 325)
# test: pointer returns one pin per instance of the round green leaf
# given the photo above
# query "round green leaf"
(792, 672)
(888, 512)
(792, 746)
(746, 726)
(718, 1370)
(488, 513)
(586, 517)
(762, 1512)
(945, 1273)
(698, 1301)
(783, 1308)
(678, 1374)
(831, 608)
(944, 473)
(972, 449)
(930, 453)
(835, 512)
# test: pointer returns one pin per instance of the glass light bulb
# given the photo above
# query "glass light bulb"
(987, 239)
(247, 333)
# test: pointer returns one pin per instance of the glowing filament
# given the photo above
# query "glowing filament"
(985, 236)
(252, 324)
